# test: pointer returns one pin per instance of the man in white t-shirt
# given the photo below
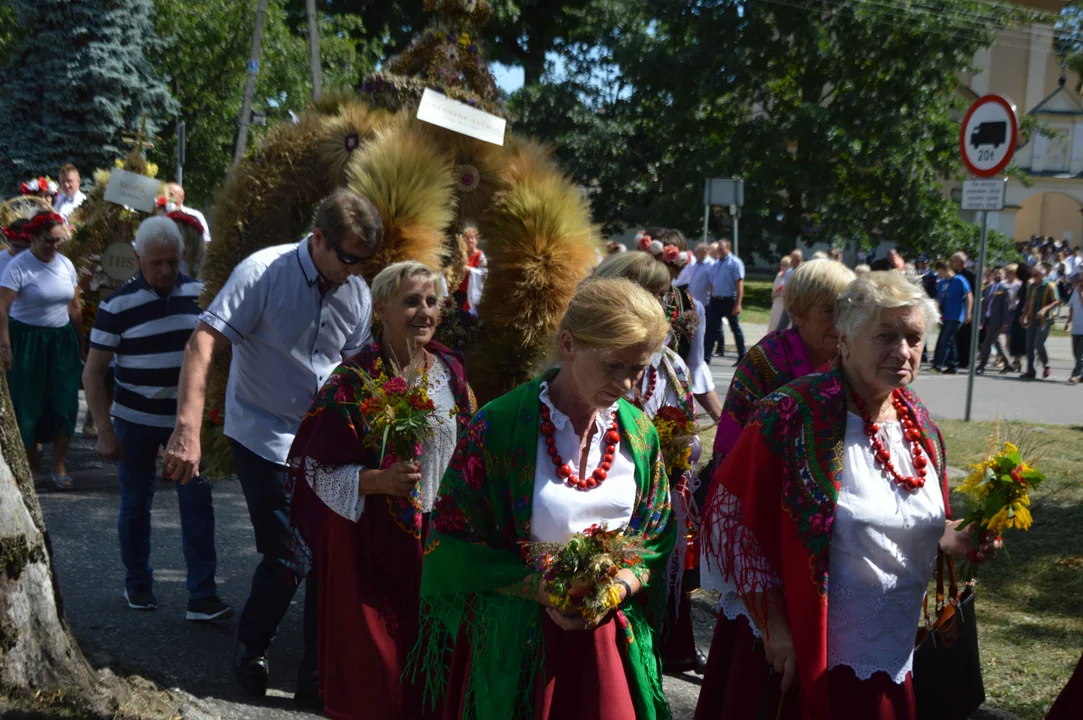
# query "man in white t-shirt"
(176, 193)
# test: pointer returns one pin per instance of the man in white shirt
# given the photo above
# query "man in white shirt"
(291, 313)
(176, 193)
(70, 196)
(699, 279)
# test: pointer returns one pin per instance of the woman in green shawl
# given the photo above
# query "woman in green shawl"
(541, 464)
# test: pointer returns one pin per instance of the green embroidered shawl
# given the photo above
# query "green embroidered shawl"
(475, 548)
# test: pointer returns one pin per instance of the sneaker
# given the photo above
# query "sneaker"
(141, 599)
(208, 609)
(950, 371)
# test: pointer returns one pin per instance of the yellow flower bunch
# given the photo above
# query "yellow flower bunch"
(675, 433)
(998, 491)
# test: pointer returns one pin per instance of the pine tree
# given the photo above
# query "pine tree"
(77, 80)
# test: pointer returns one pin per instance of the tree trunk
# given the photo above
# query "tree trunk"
(37, 651)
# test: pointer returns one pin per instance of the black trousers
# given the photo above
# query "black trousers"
(720, 309)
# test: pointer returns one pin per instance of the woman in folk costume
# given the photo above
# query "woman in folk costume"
(365, 524)
(665, 384)
(541, 464)
(841, 473)
(1069, 703)
(688, 317)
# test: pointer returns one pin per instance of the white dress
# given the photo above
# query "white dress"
(558, 511)
(777, 306)
(337, 486)
(883, 551)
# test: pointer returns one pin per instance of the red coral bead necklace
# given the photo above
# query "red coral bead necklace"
(910, 433)
(652, 381)
(564, 471)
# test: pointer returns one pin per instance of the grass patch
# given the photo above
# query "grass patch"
(1030, 600)
(756, 306)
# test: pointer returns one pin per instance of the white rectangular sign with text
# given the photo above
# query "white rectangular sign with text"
(461, 118)
(984, 194)
(131, 190)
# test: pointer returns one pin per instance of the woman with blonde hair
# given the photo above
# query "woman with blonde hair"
(541, 464)
(364, 521)
(829, 472)
(777, 304)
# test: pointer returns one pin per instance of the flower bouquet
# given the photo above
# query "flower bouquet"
(397, 410)
(581, 574)
(998, 493)
(676, 432)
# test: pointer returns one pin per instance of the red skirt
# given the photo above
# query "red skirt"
(365, 636)
(583, 676)
(739, 685)
(1069, 704)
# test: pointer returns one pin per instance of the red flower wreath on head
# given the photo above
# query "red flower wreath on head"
(645, 243)
(11, 235)
(42, 222)
(181, 217)
(670, 253)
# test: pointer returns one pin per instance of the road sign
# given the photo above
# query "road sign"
(984, 194)
(718, 191)
(989, 135)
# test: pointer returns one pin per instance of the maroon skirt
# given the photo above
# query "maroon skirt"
(583, 676)
(1069, 704)
(739, 685)
(366, 630)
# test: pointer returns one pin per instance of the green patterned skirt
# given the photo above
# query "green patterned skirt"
(44, 380)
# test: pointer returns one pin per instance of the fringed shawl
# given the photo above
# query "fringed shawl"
(479, 525)
(772, 507)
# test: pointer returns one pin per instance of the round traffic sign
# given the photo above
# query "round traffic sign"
(989, 135)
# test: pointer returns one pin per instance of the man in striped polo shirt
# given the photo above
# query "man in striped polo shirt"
(144, 326)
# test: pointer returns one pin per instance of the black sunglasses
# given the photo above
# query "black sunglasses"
(346, 258)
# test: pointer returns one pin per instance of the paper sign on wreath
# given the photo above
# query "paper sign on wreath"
(461, 118)
(131, 190)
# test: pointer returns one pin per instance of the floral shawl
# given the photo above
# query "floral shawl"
(773, 362)
(479, 525)
(771, 509)
(333, 434)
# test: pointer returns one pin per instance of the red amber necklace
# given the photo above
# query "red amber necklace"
(910, 433)
(564, 471)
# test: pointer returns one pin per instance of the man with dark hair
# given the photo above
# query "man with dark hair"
(70, 197)
(956, 308)
(291, 313)
(995, 318)
(727, 292)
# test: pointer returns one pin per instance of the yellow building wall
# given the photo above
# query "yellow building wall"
(1049, 214)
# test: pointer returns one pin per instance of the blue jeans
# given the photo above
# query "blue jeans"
(137, 477)
(276, 578)
(946, 356)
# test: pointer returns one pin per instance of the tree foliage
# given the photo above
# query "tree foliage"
(840, 115)
(205, 51)
(77, 79)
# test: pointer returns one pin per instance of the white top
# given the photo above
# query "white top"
(882, 556)
(1013, 292)
(686, 273)
(287, 339)
(42, 290)
(65, 205)
(1076, 304)
(699, 372)
(5, 259)
(202, 221)
(337, 487)
(664, 392)
(559, 511)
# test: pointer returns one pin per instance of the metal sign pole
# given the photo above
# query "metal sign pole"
(976, 313)
(735, 212)
(706, 218)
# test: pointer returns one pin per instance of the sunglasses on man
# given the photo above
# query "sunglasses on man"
(346, 258)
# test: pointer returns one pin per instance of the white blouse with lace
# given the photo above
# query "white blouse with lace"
(664, 392)
(338, 488)
(883, 552)
(559, 511)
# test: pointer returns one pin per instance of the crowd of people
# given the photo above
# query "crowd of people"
(419, 599)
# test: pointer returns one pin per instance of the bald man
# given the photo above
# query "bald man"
(176, 194)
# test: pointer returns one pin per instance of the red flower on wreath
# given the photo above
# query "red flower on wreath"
(670, 253)
(645, 243)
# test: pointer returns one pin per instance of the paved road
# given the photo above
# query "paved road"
(1050, 401)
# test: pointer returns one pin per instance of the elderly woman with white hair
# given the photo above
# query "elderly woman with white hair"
(41, 322)
(841, 473)
(364, 520)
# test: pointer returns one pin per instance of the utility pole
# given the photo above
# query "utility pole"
(314, 49)
(250, 86)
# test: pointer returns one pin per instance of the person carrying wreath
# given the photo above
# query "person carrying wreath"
(841, 473)
(364, 522)
(541, 464)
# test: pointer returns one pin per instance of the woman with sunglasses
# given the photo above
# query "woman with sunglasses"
(40, 338)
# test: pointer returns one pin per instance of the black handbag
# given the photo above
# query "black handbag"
(947, 667)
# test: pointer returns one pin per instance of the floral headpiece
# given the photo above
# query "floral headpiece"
(164, 203)
(13, 235)
(182, 217)
(670, 254)
(39, 184)
(41, 223)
